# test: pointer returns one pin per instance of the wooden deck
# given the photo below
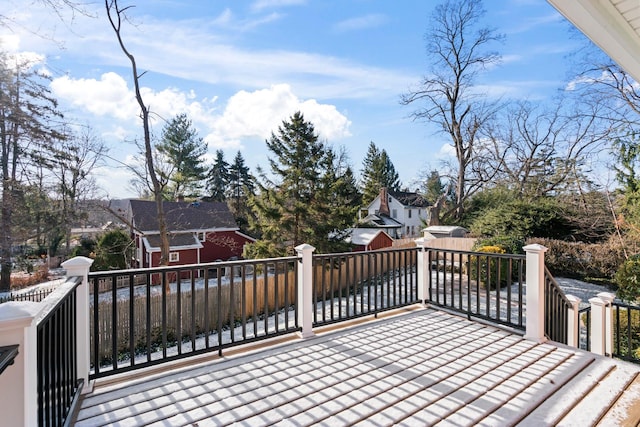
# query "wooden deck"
(427, 367)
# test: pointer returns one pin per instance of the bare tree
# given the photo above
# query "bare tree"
(538, 151)
(117, 15)
(457, 48)
(141, 182)
(73, 160)
(58, 7)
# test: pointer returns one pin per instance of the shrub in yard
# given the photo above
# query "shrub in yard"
(540, 217)
(582, 260)
(486, 269)
(510, 243)
(627, 279)
(40, 275)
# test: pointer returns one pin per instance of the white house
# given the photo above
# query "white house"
(399, 213)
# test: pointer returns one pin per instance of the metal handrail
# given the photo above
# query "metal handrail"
(556, 310)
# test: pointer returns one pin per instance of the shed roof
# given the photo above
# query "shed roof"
(444, 229)
(364, 236)
(182, 216)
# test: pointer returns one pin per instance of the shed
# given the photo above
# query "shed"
(369, 239)
(440, 231)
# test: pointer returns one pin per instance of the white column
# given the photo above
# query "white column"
(79, 267)
(608, 321)
(598, 325)
(535, 293)
(19, 383)
(423, 270)
(305, 289)
(573, 320)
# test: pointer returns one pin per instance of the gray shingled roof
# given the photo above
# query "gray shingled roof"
(408, 198)
(182, 216)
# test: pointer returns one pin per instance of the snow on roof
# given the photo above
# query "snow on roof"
(443, 228)
(364, 236)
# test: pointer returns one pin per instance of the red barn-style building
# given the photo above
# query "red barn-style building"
(369, 239)
(199, 232)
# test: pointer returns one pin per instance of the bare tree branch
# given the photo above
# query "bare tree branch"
(116, 16)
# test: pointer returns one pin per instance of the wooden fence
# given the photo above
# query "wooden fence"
(195, 310)
(338, 274)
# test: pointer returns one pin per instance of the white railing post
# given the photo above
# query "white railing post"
(573, 322)
(423, 270)
(535, 293)
(305, 289)
(598, 325)
(79, 267)
(19, 382)
(608, 322)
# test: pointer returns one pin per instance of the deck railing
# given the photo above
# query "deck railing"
(34, 296)
(485, 285)
(119, 321)
(187, 310)
(626, 331)
(556, 310)
(355, 284)
(584, 328)
(58, 385)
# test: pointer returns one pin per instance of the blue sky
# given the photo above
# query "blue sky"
(238, 68)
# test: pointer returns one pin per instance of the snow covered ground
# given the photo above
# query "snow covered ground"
(581, 289)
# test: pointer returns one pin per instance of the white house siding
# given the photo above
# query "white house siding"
(400, 213)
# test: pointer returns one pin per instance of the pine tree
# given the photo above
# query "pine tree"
(377, 172)
(183, 150)
(433, 187)
(241, 186)
(338, 201)
(285, 205)
(218, 179)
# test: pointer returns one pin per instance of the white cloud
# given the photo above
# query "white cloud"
(257, 114)
(247, 114)
(108, 96)
(360, 23)
(447, 151)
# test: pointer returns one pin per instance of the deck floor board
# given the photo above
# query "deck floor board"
(421, 368)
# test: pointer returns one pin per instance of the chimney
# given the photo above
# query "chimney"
(384, 202)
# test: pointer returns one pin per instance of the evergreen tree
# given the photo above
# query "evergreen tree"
(183, 150)
(218, 179)
(338, 201)
(433, 187)
(627, 151)
(377, 172)
(241, 186)
(113, 252)
(300, 204)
